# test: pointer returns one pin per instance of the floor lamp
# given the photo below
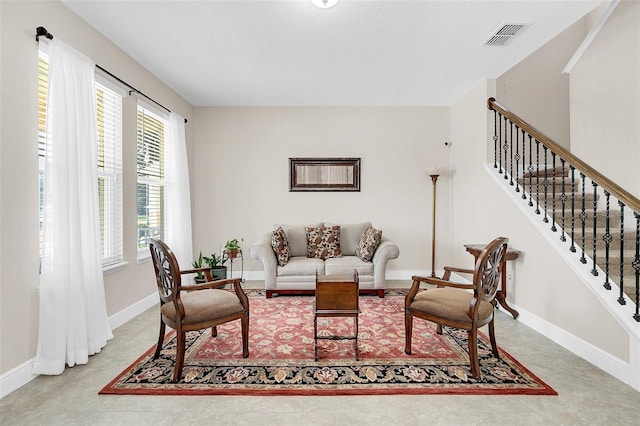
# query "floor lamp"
(433, 172)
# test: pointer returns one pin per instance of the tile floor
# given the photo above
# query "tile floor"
(587, 395)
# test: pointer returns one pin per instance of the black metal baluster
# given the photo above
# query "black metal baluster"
(594, 270)
(511, 154)
(517, 158)
(505, 147)
(545, 183)
(572, 249)
(607, 238)
(583, 217)
(530, 173)
(621, 296)
(500, 146)
(636, 266)
(537, 176)
(553, 192)
(563, 200)
(524, 165)
(495, 139)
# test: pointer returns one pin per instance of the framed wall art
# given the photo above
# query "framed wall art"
(324, 174)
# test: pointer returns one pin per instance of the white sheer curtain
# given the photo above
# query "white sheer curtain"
(73, 316)
(178, 196)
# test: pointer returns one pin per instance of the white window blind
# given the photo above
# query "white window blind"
(152, 128)
(109, 137)
(43, 79)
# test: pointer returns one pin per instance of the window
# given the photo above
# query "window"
(109, 141)
(109, 127)
(151, 192)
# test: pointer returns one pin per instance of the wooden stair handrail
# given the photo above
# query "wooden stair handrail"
(614, 189)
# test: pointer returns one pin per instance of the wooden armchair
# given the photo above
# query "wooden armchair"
(464, 306)
(197, 306)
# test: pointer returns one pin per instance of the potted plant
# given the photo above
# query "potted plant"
(232, 247)
(218, 270)
(197, 264)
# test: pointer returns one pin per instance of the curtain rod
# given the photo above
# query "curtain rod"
(42, 32)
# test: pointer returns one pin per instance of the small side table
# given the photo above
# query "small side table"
(336, 296)
(501, 294)
(225, 257)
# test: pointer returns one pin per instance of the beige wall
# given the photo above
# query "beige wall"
(605, 99)
(545, 286)
(19, 167)
(537, 90)
(242, 190)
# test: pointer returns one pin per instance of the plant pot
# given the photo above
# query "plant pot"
(219, 272)
(232, 253)
(200, 280)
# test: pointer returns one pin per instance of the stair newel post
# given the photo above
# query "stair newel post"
(537, 176)
(607, 239)
(636, 266)
(524, 164)
(495, 139)
(553, 192)
(511, 153)
(583, 217)
(572, 249)
(594, 270)
(545, 184)
(621, 296)
(530, 173)
(563, 201)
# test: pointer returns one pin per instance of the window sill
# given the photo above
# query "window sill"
(144, 259)
(116, 267)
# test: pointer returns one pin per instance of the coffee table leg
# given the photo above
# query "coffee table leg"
(315, 335)
(355, 341)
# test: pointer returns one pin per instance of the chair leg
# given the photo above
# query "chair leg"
(244, 322)
(177, 371)
(439, 328)
(492, 338)
(214, 331)
(160, 339)
(473, 354)
(408, 331)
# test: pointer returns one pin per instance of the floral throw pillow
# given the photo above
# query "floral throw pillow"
(369, 242)
(323, 242)
(280, 246)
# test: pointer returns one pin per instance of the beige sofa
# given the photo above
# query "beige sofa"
(299, 274)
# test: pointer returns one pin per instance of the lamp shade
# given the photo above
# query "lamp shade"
(432, 170)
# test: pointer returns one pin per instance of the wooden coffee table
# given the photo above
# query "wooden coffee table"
(336, 296)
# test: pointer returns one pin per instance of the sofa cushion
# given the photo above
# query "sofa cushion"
(350, 236)
(323, 242)
(369, 242)
(297, 237)
(301, 265)
(346, 265)
(280, 246)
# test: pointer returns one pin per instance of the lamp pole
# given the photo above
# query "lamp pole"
(434, 179)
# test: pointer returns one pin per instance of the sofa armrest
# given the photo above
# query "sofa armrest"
(386, 251)
(262, 251)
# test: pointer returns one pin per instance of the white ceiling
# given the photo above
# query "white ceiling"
(358, 53)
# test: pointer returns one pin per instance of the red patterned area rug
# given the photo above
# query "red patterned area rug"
(281, 358)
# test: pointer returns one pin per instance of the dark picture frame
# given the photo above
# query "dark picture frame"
(324, 174)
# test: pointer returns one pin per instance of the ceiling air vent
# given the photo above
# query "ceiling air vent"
(505, 34)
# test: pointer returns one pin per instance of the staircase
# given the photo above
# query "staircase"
(607, 266)
(599, 219)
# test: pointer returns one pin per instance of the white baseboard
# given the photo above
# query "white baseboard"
(614, 366)
(21, 375)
